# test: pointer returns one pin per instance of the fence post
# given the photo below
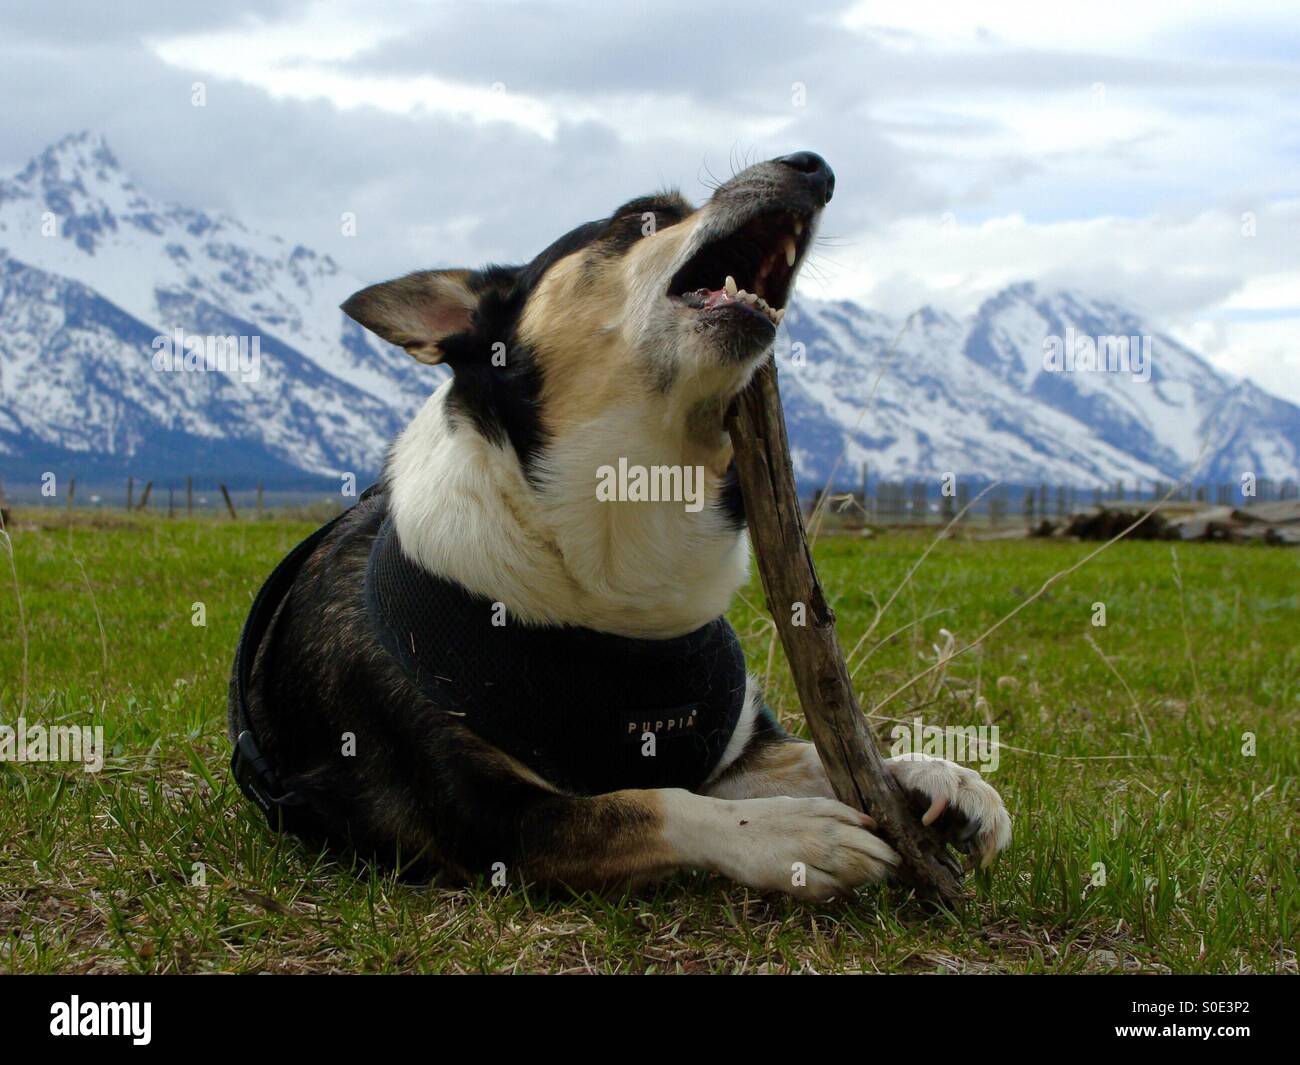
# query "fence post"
(130, 493)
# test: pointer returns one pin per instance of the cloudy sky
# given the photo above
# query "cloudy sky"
(1145, 150)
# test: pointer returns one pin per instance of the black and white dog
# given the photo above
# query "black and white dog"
(492, 665)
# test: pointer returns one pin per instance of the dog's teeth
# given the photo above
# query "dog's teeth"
(798, 228)
(790, 252)
(730, 286)
(780, 316)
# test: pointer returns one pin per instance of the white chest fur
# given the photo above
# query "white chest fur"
(557, 553)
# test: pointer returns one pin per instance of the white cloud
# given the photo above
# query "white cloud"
(1268, 352)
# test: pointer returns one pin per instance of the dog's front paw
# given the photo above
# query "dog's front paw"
(813, 848)
(962, 802)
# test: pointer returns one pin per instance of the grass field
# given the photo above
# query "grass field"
(1123, 752)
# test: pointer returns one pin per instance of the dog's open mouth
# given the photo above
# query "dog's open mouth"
(747, 272)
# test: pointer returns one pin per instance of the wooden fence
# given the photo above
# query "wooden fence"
(937, 501)
(911, 501)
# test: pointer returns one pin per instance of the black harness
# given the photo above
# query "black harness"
(587, 711)
(256, 776)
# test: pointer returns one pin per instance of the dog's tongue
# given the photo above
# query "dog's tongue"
(708, 298)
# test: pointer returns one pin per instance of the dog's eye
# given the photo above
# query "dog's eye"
(662, 217)
(644, 217)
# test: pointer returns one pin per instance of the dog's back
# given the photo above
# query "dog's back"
(312, 696)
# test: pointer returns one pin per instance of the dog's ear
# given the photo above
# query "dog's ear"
(418, 311)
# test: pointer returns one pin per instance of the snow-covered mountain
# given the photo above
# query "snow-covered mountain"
(974, 397)
(93, 270)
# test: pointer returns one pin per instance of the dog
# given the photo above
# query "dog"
(493, 667)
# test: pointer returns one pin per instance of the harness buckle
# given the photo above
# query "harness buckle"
(258, 781)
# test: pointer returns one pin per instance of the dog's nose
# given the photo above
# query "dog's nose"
(815, 170)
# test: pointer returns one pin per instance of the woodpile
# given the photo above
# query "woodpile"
(1271, 523)
(1105, 523)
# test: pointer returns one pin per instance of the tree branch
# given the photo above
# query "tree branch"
(846, 745)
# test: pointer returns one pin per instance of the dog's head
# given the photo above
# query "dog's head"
(660, 303)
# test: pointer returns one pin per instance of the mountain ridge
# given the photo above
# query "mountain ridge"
(93, 269)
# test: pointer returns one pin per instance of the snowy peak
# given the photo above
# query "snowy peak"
(79, 162)
(1039, 383)
(76, 212)
(77, 189)
(1100, 364)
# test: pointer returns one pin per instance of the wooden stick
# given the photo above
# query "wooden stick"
(807, 627)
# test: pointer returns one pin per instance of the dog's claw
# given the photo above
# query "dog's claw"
(975, 820)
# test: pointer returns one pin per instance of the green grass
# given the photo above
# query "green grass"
(98, 871)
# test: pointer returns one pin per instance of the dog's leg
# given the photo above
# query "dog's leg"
(811, 847)
(509, 821)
